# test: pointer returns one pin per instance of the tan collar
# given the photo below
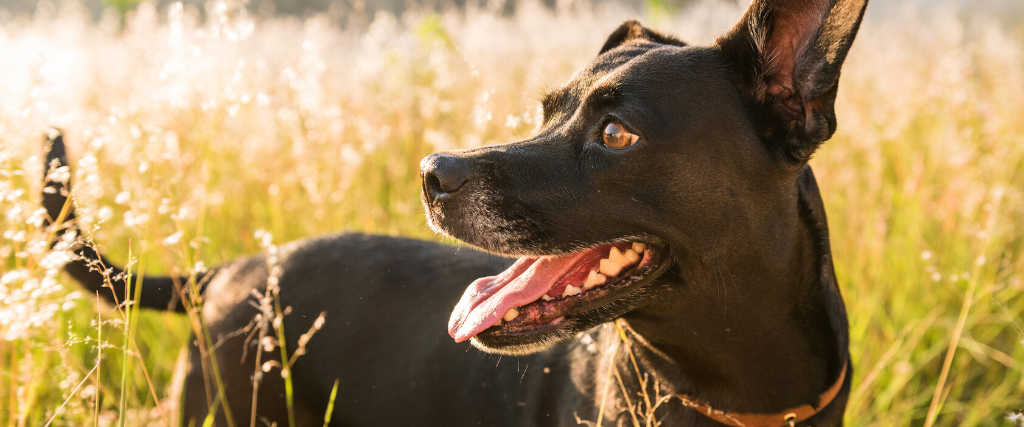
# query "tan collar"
(788, 417)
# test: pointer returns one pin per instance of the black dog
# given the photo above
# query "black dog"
(668, 187)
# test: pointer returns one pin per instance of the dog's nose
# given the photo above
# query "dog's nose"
(443, 174)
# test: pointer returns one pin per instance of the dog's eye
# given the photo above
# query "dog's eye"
(615, 136)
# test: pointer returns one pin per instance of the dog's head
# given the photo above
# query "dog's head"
(657, 154)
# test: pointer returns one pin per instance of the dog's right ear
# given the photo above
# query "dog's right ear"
(632, 30)
(787, 55)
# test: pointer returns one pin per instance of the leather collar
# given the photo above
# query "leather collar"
(788, 417)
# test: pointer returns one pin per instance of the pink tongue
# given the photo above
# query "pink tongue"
(487, 299)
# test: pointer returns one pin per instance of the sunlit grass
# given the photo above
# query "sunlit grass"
(186, 137)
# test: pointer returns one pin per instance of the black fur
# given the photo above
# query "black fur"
(742, 309)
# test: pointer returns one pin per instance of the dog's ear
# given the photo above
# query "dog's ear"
(787, 55)
(632, 30)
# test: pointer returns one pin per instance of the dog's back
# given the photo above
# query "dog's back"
(383, 337)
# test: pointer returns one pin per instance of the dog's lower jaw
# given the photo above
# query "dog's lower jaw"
(547, 336)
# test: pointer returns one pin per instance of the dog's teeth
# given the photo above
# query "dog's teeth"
(498, 323)
(610, 268)
(570, 290)
(510, 314)
(639, 247)
(545, 297)
(632, 256)
(595, 279)
(617, 257)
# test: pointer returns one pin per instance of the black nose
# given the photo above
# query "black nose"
(443, 174)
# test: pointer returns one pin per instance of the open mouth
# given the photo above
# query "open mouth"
(539, 292)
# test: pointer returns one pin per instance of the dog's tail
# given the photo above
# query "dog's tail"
(157, 292)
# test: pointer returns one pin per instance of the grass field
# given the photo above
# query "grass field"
(188, 136)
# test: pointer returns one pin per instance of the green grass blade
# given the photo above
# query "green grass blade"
(330, 403)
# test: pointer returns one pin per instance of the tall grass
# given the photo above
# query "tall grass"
(189, 135)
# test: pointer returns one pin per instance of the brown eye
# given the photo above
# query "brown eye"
(615, 136)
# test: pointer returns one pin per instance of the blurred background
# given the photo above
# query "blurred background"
(337, 9)
(192, 126)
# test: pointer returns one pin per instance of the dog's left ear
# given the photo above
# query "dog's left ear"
(787, 55)
(631, 30)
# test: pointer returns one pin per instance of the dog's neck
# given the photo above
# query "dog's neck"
(755, 332)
